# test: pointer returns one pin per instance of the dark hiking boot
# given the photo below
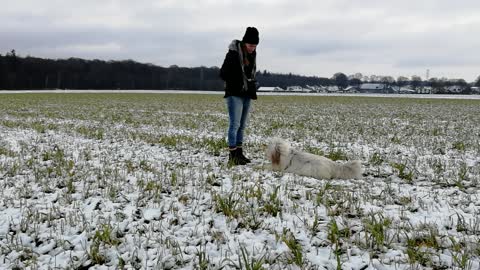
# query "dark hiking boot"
(234, 159)
(241, 156)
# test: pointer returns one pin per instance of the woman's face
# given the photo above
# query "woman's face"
(250, 47)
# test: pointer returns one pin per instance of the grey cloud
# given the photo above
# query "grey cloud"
(371, 35)
(439, 61)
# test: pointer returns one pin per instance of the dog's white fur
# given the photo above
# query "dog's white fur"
(285, 158)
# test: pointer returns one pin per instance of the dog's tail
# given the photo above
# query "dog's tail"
(349, 170)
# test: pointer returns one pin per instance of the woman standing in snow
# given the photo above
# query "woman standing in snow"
(238, 72)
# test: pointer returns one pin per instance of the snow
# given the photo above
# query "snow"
(200, 92)
(146, 193)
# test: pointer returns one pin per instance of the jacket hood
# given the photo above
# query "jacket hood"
(233, 45)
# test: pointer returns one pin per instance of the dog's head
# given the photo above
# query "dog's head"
(276, 151)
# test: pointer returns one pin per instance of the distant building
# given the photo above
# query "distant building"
(295, 88)
(322, 89)
(313, 88)
(405, 90)
(332, 89)
(425, 90)
(270, 89)
(373, 87)
(455, 89)
(350, 89)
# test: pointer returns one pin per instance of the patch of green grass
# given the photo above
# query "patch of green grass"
(173, 141)
(336, 237)
(377, 231)
(459, 146)
(202, 259)
(247, 261)
(228, 204)
(337, 154)
(102, 237)
(70, 186)
(215, 146)
(10, 124)
(296, 250)
(6, 152)
(91, 132)
(376, 159)
(273, 205)
(314, 150)
(404, 172)
(418, 254)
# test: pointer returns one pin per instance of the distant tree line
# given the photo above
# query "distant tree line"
(18, 72)
(74, 73)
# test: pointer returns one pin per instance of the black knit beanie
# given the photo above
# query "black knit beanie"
(251, 36)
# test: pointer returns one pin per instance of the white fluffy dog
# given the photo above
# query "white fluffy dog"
(285, 158)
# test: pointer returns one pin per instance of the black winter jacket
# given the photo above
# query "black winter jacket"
(239, 81)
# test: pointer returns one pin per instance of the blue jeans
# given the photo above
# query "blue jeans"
(238, 108)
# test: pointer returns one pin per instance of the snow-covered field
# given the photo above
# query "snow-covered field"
(69, 91)
(140, 181)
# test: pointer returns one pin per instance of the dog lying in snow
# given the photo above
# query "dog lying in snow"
(285, 158)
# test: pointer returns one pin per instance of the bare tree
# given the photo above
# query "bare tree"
(416, 81)
(402, 81)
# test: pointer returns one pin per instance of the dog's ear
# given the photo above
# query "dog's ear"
(275, 157)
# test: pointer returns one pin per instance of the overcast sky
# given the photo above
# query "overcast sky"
(390, 38)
